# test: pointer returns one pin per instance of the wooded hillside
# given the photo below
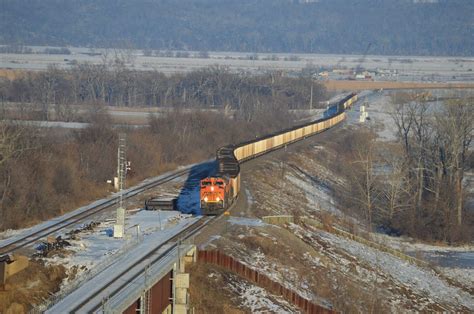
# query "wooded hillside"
(400, 27)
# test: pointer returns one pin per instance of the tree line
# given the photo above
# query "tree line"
(417, 186)
(397, 27)
(114, 84)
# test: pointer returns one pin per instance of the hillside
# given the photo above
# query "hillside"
(398, 27)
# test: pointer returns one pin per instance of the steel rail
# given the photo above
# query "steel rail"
(175, 240)
(35, 236)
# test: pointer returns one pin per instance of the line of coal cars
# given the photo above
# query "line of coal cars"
(217, 193)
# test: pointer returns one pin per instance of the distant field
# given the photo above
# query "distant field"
(364, 85)
(390, 72)
(389, 68)
(10, 74)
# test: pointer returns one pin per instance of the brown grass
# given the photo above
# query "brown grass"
(206, 294)
(30, 286)
(327, 220)
(11, 74)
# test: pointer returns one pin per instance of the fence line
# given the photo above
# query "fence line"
(278, 220)
(228, 262)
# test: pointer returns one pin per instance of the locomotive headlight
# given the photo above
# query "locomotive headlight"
(205, 199)
(218, 199)
(212, 188)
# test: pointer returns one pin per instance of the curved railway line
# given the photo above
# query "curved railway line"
(218, 192)
(235, 154)
(74, 218)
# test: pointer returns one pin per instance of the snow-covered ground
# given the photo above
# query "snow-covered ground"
(378, 105)
(317, 194)
(95, 250)
(408, 68)
(257, 299)
(92, 246)
(423, 281)
(385, 269)
(455, 262)
(13, 235)
(250, 222)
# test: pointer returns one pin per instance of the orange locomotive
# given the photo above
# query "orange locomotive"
(216, 194)
(219, 192)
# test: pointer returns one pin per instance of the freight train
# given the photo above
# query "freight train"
(219, 192)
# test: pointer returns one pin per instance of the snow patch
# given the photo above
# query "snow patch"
(249, 222)
(209, 242)
(250, 199)
(257, 299)
(317, 196)
(94, 250)
(423, 281)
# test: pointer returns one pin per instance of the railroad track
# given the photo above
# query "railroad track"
(137, 267)
(175, 241)
(72, 219)
(94, 301)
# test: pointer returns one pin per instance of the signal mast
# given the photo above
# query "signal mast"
(122, 167)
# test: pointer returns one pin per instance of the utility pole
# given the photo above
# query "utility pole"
(121, 175)
(282, 179)
(311, 97)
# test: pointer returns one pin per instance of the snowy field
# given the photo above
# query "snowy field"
(410, 67)
(257, 299)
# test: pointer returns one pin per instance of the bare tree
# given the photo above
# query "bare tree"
(396, 187)
(456, 129)
(436, 143)
(364, 184)
(10, 144)
(414, 130)
(402, 115)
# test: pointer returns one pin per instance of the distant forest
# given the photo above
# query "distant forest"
(398, 27)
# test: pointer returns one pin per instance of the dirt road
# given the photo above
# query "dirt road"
(365, 85)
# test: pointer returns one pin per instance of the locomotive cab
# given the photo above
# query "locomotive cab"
(213, 194)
